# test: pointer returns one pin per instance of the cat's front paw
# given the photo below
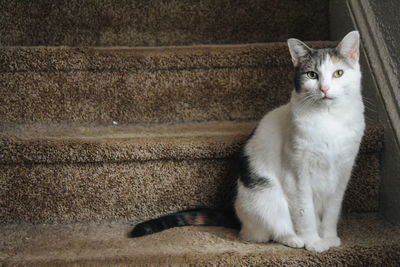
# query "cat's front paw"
(318, 245)
(333, 241)
(291, 241)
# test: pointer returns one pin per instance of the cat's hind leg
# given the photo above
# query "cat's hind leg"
(254, 232)
(265, 216)
(281, 224)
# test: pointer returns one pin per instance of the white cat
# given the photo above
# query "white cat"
(297, 164)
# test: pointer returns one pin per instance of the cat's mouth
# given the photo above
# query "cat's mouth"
(327, 98)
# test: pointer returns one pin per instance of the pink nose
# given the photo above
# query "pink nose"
(324, 89)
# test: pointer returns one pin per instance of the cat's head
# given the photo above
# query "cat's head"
(327, 75)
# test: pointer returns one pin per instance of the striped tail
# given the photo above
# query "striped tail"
(199, 217)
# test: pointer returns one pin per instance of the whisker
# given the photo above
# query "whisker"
(307, 100)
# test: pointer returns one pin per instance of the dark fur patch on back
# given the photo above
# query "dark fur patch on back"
(246, 176)
(249, 178)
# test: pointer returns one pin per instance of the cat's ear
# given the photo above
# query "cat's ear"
(349, 47)
(297, 50)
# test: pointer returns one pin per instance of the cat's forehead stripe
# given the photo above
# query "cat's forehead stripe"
(321, 55)
(332, 55)
(334, 59)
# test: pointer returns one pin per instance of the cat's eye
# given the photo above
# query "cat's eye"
(338, 73)
(312, 75)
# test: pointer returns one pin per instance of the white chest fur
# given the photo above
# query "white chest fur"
(323, 142)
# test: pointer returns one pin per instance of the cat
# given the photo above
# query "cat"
(296, 164)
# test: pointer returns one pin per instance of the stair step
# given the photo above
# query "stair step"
(62, 173)
(120, 143)
(367, 240)
(160, 22)
(143, 85)
(61, 143)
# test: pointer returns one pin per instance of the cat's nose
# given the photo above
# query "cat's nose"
(324, 89)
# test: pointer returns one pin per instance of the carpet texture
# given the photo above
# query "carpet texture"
(63, 174)
(367, 241)
(159, 22)
(99, 130)
(143, 85)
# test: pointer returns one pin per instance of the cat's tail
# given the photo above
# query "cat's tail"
(199, 217)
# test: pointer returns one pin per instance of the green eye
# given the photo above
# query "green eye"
(312, 75)
(338, 73)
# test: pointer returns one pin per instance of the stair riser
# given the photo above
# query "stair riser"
(159, 22)
(117, 191)
(135, 190)
(143, 96)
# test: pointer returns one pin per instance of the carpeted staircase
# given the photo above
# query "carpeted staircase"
(113, 112)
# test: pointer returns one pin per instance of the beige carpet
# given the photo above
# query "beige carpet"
(367, 241)
(106, 120)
